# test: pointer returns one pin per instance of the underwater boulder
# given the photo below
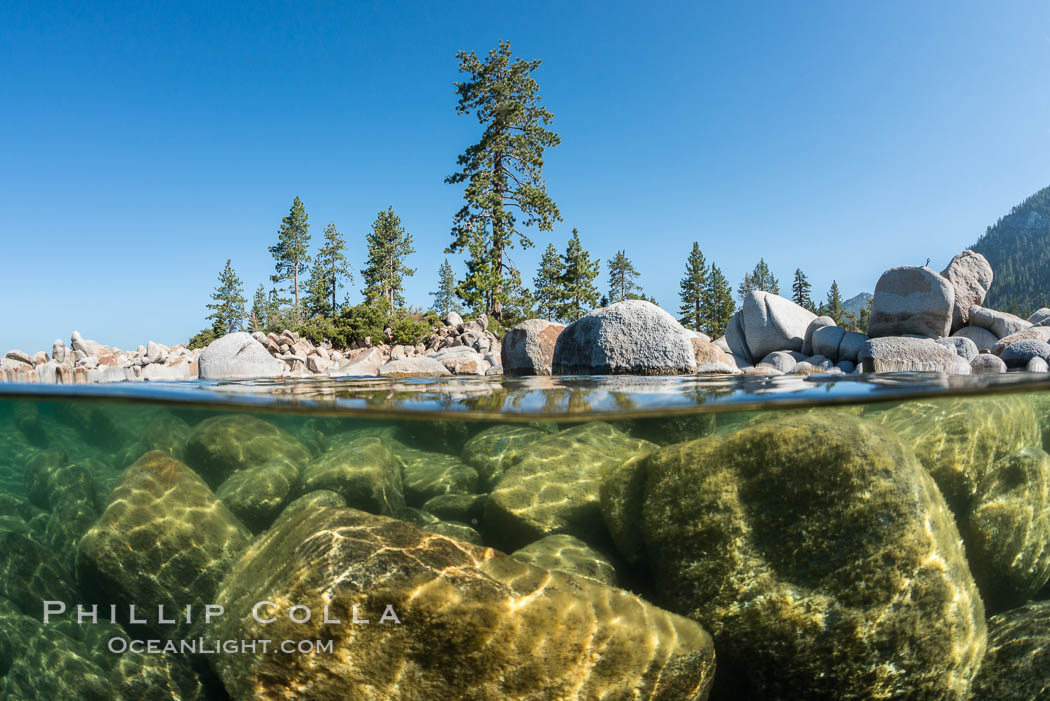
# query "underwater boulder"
(493, 450)
(554, 487)
(166, 432)
(426, 474)
(822, 558)
(308, 503)
(564, 553)
(30, 574)
(223, 445)
(467, 618)
(164, 539)
(1007, 530)
(257, 494)
(1017, 664)
(465, 508)
(363, 471)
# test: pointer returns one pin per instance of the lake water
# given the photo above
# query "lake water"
(527, 538)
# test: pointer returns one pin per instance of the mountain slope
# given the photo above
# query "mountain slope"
(1018, 248)
(855, 304)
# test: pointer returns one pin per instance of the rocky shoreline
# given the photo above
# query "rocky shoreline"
(921, 321)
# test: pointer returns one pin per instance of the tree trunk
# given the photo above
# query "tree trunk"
(296, 275)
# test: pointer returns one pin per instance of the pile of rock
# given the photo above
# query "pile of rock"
(86, 361)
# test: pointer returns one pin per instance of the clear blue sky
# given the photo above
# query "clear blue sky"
(143, 145)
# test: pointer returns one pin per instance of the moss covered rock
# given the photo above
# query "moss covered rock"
(564, 553)
(1007, 530)
(473, 623)
(164, 539)
(554, 486)
(223, 445)
(495, 449)
(1017, 664)
(257, 495)
(426, 474)
(363, 471)
(821, 556)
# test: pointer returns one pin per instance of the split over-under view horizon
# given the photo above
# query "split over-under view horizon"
(536, 352)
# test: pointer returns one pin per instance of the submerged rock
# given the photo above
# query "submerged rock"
(223, 445)
(363, 471)
(554, 487)
(469, 618)
(564, 553)
(164, 539)
(30, 574)
(495, 449)
(1007, 530)
(426, 474)
(821, 556)
(257, 494)
(631, 337)
(1017, 664)
(465, 508)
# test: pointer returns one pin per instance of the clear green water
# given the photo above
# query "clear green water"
(668, 538)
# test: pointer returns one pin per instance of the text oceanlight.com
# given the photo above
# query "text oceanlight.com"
(263, 613)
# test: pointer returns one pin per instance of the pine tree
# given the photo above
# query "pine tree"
(800, 291)
(763, 279)
(388, 245)
(622, 276)
(833, 306)
(503, 172)
(257, 316)
(476, 286)
(520, 304)
(746, 285)
(330, 267)
(445, 295)
(228, 308)
(547, 283)
(693, 291)
(578, 274)
(721, 305)
(290, 253)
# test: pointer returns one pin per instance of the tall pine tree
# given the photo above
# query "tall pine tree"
(257, 316)
(800, 291)
(445, 294)
(503, 172)
(330, 267)
(579, 294)
(290, 252)
(622, 276)
(227, 308)
(547, 290)
(693, 291)
(746, 285)
(388, 246)
(833, 306)
(720, 301)
(763, 279)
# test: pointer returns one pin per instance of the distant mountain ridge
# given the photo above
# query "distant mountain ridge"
(1018, 249)
(853, 305)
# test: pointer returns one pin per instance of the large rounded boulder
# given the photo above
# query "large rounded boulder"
(820, 555)
(237, 356)
(773, 323)
(528, 348)
(633, 337)
(911, 300)
(970, 275)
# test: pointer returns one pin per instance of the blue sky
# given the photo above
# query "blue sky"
(142, 145)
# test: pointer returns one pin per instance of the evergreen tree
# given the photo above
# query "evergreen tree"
(445, 295)
(763, 279)
(475, 289)
(228, 308)
(746, 286)
(388, 245)
(694, 292)
(800, 291)
(721, 305)
(257, 316)
(547, 283)
(520, 304)
(290, 253)
(622, 276)
(578, 273)
(503, 172)
(833, 306)
(330, 266)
